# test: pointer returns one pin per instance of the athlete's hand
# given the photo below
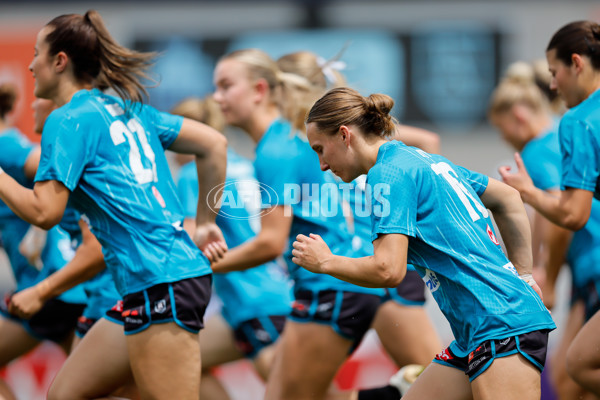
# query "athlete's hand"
(26, 303)
(519, 180)
(310, 252)
(209, 238)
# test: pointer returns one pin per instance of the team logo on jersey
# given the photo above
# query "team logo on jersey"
(160, 306)
(490, 233)
(431, 281)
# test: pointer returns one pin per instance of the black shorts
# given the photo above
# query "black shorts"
(410, 292)
(350, 314)
(531, 345)
(183, 302)
(254, 335)
(55, 321)
(590, 296)
(84, 324)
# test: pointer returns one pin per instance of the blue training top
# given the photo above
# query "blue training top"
(452, 245)
(541, 157)
(579, 134)
(256, 292)
(113, 163)
(101, 292)
(289, 174)
(16, 148)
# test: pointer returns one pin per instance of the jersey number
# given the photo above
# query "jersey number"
(464, 195)
(120, 133)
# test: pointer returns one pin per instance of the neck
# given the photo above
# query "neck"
(260, 122)
(536, 128)
(67, 90)
(368, 152)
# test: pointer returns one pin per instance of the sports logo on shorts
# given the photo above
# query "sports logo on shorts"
(444, 355)
(160, 306)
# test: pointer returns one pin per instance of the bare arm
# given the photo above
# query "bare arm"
(513, 223)
(210, 148)
(571, 209)
(86, 264)
(41, 206)
(386, 268)
(32, 162)
(266, 246)
(412, 136)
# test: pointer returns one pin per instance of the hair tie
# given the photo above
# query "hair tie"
(328, 68)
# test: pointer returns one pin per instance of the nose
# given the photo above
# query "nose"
(553, 83)
(324, 165)
(30, 66)
(217, 96)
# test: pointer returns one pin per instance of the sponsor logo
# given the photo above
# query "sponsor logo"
(431, 281)
(160, 306)
(118, 307)
(262, 335)
(324, 307)
(296, 305)
(504, 342)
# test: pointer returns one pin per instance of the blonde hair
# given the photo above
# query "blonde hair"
(287, 89)
(536, 73)
(345, 106)
(299, 99)
(204, 110)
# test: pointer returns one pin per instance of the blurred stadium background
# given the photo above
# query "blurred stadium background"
(438, 59)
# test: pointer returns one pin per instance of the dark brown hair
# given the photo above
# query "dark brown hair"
(8, 96)
(96, 57)
(579, 37)
(345, 106)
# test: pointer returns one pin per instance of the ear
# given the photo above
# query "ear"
(261, 89)
(577, 62)
(61, 60)
(346, 135)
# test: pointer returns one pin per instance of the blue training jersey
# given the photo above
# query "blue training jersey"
(289, 174)
(113, 163)
(256, 292)
(16, 148)
(100, 291)
(579, 134)
(452, 244)
(541, 157)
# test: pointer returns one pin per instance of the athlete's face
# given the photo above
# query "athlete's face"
(333, 153)
(41, 109)
(564, 80)
(235, 92)
(42, 67)
(510, 127)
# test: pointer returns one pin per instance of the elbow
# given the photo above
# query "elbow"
(573, 223)
(391, 275)
(47, 222)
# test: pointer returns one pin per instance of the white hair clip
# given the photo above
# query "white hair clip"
(328, 68)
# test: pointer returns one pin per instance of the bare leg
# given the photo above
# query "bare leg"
(309, 355)
(97, 366)
(406, 333)
(508, 378)
(218, 347)
(15, 341)
(440, 382)
(566, 388)
(583, 357)
(166, 363)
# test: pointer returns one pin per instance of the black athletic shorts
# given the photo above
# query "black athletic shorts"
(183, 302)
